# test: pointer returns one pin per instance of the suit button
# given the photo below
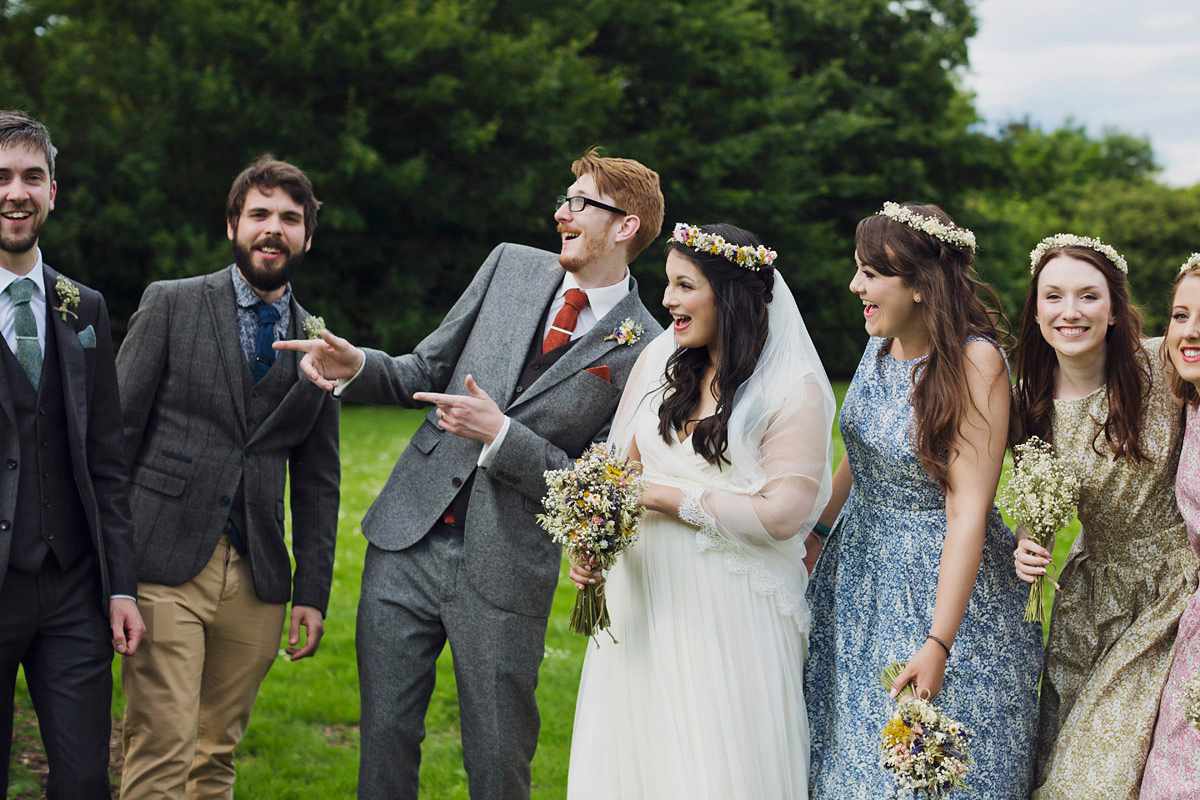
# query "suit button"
(456, 482)
(12, 463)
(225, 500)
(42, 411)
(45, 443)
(520, 389)
(46, 503)
(45, 473)
(5, 525)
(249, 420)
(536, 365)
(246, 452)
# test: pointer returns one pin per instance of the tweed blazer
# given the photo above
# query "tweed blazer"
(510, 560)
(186, 393)
(93, 410)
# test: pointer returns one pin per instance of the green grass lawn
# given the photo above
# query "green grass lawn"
(303, 737)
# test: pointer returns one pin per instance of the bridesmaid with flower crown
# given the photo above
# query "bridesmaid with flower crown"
(916, 567)
(1173, 768)
(1088, 384)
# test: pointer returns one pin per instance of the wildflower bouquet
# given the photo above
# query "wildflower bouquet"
(593, 510)
(1041, 495)
(925, 750)
(1191, 702)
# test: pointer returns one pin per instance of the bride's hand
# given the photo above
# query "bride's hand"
(585, 573)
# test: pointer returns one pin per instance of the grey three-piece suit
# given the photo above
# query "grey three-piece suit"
(487, 587)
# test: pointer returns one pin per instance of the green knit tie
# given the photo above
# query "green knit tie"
(29, 350)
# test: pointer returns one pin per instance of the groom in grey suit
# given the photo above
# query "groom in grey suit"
(523, 372)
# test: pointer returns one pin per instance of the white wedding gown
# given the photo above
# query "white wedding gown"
(703, 696)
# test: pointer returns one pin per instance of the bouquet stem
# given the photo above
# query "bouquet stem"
(590, 613)
(1035, 609)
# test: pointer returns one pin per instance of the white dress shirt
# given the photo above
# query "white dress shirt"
(37, 303)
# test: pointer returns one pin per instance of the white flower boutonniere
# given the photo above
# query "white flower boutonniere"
(627, 333)
(68, 297)
(313, 327)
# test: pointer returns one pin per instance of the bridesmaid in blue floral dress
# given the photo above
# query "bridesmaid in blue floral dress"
(918, 566)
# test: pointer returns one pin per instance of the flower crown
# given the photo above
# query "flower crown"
(1070, 239)
(752, 258)
(931, 225)
(1193, 261)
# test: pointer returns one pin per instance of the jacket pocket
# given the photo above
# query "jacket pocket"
(158, 481)
(427, 437)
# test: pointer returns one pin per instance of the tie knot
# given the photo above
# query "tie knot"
(267, 314)
(576, 299)
(21, 290)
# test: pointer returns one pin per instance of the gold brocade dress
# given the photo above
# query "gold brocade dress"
(1127, 580)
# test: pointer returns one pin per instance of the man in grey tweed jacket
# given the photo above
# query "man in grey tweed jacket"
(523, 373)
(214, 424)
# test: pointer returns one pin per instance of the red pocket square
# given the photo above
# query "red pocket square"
(600, 372)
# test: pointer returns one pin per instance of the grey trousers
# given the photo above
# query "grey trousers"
(413, 601)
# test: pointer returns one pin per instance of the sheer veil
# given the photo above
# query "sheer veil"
(780, 473)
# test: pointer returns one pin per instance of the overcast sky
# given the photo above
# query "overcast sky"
(1129, 64)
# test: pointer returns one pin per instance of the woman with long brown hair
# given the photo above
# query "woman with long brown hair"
(916, 567)
(1088, 385)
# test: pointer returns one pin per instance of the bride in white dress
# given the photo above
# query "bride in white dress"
(730, 413)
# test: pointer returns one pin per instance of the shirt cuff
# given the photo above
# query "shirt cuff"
(488, 455)
(122, 597)
(344, 385)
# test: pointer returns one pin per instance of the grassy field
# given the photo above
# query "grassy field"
(303, 737)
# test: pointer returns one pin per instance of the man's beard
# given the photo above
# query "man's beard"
(592, 249)
(25, 242)
(263, 278)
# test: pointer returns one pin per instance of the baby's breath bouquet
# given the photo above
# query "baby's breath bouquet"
(1191, 702)
(926, 751)
(593, 510)
(1041, 495)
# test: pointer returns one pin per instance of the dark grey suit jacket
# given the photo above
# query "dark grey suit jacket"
(185, 393)
(93, 429)
(510, 560)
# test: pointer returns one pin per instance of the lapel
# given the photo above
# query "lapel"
(590, 347)
(72, 369)
(6, 397)
(528, 318)
(221, 301)
(284, 376)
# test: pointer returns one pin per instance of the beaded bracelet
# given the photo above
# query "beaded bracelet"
(939, 641)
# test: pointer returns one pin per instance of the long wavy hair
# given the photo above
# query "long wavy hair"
(1126, 365)
(943, 275)
(741, 296)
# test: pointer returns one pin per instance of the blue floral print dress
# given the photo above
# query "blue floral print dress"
(872, 596)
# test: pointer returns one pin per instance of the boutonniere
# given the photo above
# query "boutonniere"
(68, 297)
(313, 327)
(627, 333)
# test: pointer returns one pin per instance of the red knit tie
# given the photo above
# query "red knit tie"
(564, 321)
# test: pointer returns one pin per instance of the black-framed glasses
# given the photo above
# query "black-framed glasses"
(579, 203)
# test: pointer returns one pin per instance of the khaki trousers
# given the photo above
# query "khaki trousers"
(191, 685)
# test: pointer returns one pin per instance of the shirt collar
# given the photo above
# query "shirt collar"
(600, 299)
(37, 275)
(248, 298)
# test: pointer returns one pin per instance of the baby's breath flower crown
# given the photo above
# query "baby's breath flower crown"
(960, 237)
(1193, 261)
(752, 258)
(1071, 240)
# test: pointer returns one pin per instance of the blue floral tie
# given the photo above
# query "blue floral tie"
(29, 349)
(264, 354)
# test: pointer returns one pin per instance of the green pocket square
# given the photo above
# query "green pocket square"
(87, 337)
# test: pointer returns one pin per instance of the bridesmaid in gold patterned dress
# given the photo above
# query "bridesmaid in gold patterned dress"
(1091, 386)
